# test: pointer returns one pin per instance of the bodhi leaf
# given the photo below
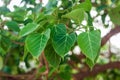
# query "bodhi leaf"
(52, 57)
(115, 15)
(90, 63)
(89, 43)
(13, 26)
(29, 28)
(36, 42)
(85, 5)
(62, 42)
(76, 15)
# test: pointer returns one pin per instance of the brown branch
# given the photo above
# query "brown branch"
(105, 39)
(40, 1)
(47, 66)
(19, 43)
(110, 34)
(100, 68)
(36, 75)
(20, 77)
(97, 69)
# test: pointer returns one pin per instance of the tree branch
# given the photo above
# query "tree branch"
(110, 34)
(100, 68)
(97, 69)
(20, 77)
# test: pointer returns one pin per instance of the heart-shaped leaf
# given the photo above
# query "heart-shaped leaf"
(13, 26)
(36, 42)
(85, 5)
(62, 42)
(76, 15)
(52, 57)
(29, 28)
(89, 43)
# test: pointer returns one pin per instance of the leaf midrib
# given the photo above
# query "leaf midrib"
(90, 44)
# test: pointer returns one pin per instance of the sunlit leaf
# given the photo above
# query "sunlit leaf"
(76, 15)
(29, 28)
(85, 5)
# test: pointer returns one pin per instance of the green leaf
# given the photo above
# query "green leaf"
(62, 42)
(76, 15)
(52, 57)
(50, 6)
(18, 15)
(85, 5)
(29, 28)
(115, 15)
(89, 63)
(4, 10)
(36, 42)
(1, 62)
(13, 26)
(89, 43)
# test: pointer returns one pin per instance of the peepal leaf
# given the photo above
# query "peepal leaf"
(76, 15)
(13, 26)
(89, 43)
(52, 57)
(115, 15)
(29, 28)
(36, 42)
(62, 42)
(89, 63)
(85, 5)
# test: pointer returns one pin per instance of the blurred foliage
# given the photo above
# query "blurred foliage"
(28, 31)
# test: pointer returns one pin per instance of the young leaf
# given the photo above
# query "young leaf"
(29, 28)
(52, 57)
(115, 15)
(36, 42)
(85, 5)
(13, 26)
(89, 43)
(62, 42)
(76, 15)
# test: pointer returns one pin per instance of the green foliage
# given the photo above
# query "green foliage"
(12, 25)
(76, 15)
(52, 57)
(53, 30)
(114, 14)
(29, 28)
(85, 5)
(62, 41)
(89, 43)
(4, 10)
(1, 62)
(36, 42)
